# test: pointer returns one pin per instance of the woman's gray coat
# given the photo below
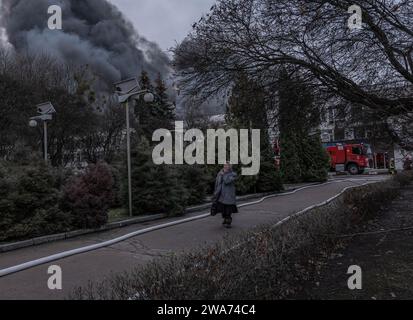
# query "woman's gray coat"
(225, 188)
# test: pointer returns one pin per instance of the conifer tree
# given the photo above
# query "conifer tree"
(155, 188)
(247, 110)
(315, 160)
(29, 203)
(143, 111)
(156, 115)
(290, 159)
(164, 109)
(145, 81)
(302, 155)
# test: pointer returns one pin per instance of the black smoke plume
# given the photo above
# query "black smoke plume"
(95, 33)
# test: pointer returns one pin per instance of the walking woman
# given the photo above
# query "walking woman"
(225, 195)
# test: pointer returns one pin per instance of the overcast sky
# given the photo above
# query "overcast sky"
(163, 21)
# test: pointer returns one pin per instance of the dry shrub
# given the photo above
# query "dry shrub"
(89, 196)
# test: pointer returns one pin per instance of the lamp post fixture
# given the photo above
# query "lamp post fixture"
(127, 90)
(45, 111)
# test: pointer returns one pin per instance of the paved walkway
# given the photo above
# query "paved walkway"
(95, 265)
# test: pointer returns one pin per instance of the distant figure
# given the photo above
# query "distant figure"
(392, 166)
(224, 200)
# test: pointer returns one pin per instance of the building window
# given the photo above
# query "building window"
(331, 115)
(339, 134)
(349, 134)
(359, 133)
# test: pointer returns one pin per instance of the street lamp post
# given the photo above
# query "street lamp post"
(45, 110)
(127, 90)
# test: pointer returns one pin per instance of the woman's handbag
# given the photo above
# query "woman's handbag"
(214, 208)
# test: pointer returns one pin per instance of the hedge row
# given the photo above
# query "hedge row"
(266, 263)
(37, 200)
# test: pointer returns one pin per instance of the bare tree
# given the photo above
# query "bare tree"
(259, 37)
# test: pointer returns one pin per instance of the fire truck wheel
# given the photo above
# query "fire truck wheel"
(353, 169)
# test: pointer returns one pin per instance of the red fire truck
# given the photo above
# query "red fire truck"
(352, 158)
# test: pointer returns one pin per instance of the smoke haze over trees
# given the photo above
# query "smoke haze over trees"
(94, 33)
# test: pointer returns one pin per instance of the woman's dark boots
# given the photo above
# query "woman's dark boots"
(227, 223)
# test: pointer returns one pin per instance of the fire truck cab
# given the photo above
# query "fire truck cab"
(352, 158)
